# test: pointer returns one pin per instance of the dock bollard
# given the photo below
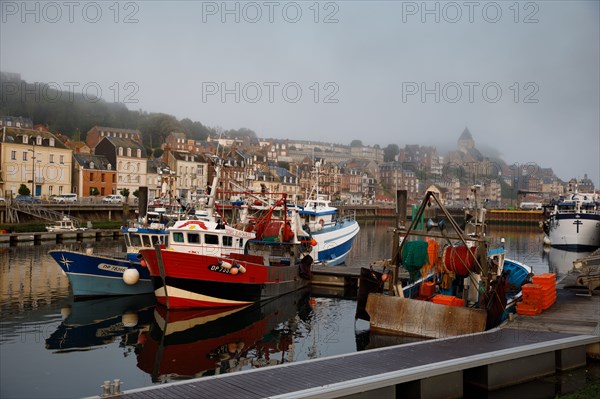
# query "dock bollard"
(105, 389)
(117, 386)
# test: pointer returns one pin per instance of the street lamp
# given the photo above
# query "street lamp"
(33, 168)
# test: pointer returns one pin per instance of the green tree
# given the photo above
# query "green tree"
(158, 152)
(390, 152)
(24, 190)
(136, 193)
(356, 143)
(125, 193)
(94, 191)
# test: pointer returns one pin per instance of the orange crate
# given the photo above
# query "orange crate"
(546, 279)
(427, 289)
(448, 300)
(527, 309)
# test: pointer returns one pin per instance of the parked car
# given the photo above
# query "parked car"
(28, 198)
(113, 199)
(65, 198)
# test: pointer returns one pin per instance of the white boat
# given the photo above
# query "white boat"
(65, 224)
(574, 223)
(332, 234)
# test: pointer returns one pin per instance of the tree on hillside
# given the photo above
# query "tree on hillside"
(390, 152)
(356, 143)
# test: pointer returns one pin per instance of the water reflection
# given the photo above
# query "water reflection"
(193, 343)
(97, 322)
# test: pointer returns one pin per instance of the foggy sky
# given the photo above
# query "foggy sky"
(524, 79)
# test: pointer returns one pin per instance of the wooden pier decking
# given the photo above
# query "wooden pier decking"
(523, 349)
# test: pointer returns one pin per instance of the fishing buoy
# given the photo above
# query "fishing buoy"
(313, 242)
(143, 263)
(131, 276)
(130, 319)
(241, 268)
(547, 240)
(234, 270)
(384, 277)
(224, 264)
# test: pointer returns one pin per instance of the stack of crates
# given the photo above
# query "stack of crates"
(548, 283)
(448, 300)
(532, 300)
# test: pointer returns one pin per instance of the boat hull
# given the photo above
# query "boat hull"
(95, 275)
(198, 281)
(334, 244)
(579, 232)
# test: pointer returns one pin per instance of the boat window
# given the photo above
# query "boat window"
(156, 240)
(227, 241)
(193, 238)
(240, 242)
(177, 237)
(211, 239)
(127, 242)
(146, 241)
(135, 240)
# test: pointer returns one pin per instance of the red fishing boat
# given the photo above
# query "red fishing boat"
(209, 264)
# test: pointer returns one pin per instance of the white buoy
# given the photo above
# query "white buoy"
(130, 319)
(65, 312)
(131, 276)
(547, 240)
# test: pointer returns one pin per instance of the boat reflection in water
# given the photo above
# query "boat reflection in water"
(560, 261)
(97, 322)
(184, 344)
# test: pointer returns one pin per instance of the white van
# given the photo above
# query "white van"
(65, 198)
(113, 199)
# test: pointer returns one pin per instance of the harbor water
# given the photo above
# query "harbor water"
(54, 347)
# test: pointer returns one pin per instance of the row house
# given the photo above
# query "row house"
(35, 158)
(19, 122)
(93, 175)
(176, 141)
(397, 176)
(367, 152)
(129, 156)
(97, 133)
(160, 179)
(190, 172)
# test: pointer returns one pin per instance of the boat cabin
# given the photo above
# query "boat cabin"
(137, 239)
(207, 238)
(317, 214)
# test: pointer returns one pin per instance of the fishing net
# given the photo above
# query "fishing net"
(414, 257)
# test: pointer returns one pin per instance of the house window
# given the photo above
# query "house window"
(25, 138)
(13, 155)
(51, 158)
(38, 140)
(91, 176)
(25, 156)
(139, 153)
(129, 152)
(62, 159)
(102, 177)
(51, 142)
(121, 151)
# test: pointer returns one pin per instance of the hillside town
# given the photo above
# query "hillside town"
(112, 160)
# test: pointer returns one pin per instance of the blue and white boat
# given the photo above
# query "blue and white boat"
(333, 235)
(574, 223)
(92, 274)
